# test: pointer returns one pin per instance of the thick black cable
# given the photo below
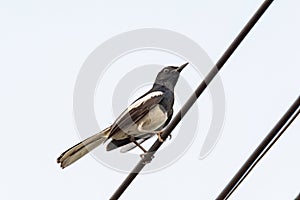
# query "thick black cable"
(214, 71)
(262, 149)
(298, 197)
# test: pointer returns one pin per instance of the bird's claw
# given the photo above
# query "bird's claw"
(159, 137)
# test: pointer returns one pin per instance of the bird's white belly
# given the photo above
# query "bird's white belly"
(154, 119)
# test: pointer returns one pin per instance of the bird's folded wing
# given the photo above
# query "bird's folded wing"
(136, 111)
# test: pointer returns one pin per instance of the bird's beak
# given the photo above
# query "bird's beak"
(179, 69)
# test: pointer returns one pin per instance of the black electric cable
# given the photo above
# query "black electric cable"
(262, 149)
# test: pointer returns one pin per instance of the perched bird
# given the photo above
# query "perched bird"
(145, 117)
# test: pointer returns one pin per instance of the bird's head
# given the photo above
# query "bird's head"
(168, 76)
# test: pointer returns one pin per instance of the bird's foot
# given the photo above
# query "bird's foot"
(147, 157)
(159, 136)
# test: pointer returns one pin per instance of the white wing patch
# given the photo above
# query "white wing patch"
(145, 98)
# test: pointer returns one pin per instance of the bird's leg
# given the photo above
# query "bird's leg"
(132, 139)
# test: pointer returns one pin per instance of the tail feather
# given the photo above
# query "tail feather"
(79, 150)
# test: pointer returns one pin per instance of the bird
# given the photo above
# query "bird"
(147, 116)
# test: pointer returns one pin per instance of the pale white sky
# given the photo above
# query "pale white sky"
(43, 46)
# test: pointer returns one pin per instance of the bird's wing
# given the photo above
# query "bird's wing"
(128, 144)
(136, 111)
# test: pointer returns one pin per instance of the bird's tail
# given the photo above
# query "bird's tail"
(74, 153)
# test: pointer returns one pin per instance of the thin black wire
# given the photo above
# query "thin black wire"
(298, 197)
(214, 71)
(262, 149)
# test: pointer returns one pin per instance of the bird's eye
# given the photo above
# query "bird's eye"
(166, 70)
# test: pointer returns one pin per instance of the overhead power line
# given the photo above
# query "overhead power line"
(262, 149)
